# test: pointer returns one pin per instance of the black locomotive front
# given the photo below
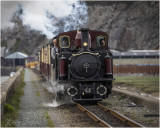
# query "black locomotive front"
(90, 72)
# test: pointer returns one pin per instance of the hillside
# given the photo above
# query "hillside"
(22, 39)
(130, 25)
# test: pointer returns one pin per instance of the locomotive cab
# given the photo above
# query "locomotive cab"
(85, 62)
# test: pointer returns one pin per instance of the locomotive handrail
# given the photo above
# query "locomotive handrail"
(85, 53)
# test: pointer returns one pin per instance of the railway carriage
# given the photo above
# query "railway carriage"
(83, 61)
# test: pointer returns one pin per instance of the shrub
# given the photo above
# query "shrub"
(8, 108)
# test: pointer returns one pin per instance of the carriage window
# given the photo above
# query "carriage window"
(64, 41)
(101, 41)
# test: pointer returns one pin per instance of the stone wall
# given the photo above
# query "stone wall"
(7, 87)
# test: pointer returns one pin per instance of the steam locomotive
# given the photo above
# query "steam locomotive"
(83, 60)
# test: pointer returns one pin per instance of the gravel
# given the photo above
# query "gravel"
(134, 111)
(70, 116)
(106, 116)
(37, 100)
(31, 112)
(66, 113)
(33, 106)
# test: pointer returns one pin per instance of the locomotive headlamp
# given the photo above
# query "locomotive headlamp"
(85, 44)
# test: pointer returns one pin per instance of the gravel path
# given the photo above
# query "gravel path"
(37, 100)
(31, 110)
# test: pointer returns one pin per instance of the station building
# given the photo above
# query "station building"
(136, 61)
(136, 57)
(16, 59)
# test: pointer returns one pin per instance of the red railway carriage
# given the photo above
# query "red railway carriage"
(45, 61)
(83, 60)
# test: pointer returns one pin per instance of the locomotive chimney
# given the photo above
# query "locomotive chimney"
(85, 39)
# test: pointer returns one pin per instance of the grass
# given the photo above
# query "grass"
(13, 105)
(121, 97)
(150, 120)
(49, 121)
(38, 94)
(148, 84)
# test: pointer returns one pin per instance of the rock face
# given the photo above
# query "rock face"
(21, 38)
(130, 25)
(24, 40)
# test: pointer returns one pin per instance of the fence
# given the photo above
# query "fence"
(145, 69)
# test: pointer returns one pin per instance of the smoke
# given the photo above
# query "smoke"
(50, 17)
(59, 95)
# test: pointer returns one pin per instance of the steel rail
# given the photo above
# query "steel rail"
(93, 116)
(121, 117)
(112, 112)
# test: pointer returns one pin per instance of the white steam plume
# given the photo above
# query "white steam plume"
(51, 17)
(56, 88)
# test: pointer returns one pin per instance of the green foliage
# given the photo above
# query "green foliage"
(4, 44)
(8, 108)
(13, 105)
(49, 121)
(46, 115)
(38, 94)
(122, 97)
(150, 120)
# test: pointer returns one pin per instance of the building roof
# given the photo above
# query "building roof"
(16, 55)
(136, 53)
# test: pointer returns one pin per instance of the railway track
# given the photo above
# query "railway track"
(107, 117)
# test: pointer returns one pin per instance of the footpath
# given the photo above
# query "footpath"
(31, 113)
